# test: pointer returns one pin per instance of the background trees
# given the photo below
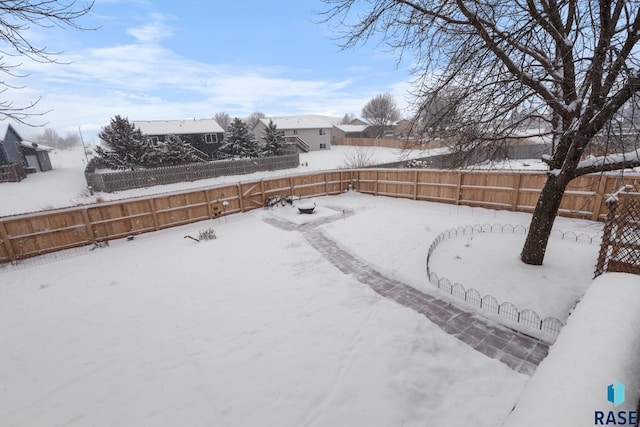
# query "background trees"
(174, 151)
(223, 119)
(274, 143)
(16, 19)
(569, 66)
(51, 138)
(254, 118)
(381, 112)
(126, 147)
(239, 142)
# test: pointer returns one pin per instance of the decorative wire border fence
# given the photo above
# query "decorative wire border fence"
(489, 303)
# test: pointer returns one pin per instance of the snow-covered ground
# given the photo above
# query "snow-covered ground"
(257, 328)
(66, 186)
(513, 164)
(253, 328)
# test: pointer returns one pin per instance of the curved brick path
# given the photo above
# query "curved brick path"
(516, 350)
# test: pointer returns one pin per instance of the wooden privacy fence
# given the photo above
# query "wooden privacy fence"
(24, 236)
(620, 249)
(125, 180)
(513, 191)
(29, 235)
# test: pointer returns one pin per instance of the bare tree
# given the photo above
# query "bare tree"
(347, 118)
(381, 112)
(16, 19)
(571, 64)
(359, 157)
(254, 118)
(223, 118)
(51, 138)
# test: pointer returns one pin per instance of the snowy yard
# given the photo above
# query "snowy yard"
(254, 328)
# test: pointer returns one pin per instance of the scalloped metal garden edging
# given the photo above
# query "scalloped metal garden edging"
(489, 303)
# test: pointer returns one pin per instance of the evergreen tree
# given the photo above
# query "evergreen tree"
(274, 144)
(125, 147)
(176, 152)
(239, 142)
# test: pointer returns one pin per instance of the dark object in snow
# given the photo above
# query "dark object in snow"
(129, 238)
(97, 245)
(306, 208)
(278, 200)
(206, 234)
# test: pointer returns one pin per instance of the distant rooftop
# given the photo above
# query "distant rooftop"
(303, 122)
(352, 128)
(179, 127)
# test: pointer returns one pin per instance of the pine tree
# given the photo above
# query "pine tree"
(125, 147)
(239, 142)
(274, 144)
(176, 152)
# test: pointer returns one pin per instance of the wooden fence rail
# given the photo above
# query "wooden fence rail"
(29, 235)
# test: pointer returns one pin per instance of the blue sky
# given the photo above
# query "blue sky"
(173, 60)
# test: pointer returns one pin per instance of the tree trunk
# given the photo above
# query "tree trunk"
(543, 217)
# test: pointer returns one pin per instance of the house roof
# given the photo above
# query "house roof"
(35, 146)
(302, 122)
(352, 128)
(178, 127)
(4, 128)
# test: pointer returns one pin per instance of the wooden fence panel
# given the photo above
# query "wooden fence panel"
(492, 190)
(251, 195)
(438, 186)
(396, 183)
(115, 220)
(217, 196)
(277, 187)
(28, 235)
(309, 185)
(39, 234)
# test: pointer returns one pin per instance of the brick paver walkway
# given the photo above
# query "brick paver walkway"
(516, 350)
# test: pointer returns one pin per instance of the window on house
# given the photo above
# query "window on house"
(323, 146)
(322, 131)
(210, 138)
(295, 131)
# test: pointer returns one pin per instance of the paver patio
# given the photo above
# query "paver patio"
(520, 352)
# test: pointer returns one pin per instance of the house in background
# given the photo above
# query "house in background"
(204, 135)
(13, 149)
(306, 133)
(352, 131)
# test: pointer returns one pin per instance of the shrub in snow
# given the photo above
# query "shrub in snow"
(207, 234)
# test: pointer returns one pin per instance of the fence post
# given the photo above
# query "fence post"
(597, 203)
(87, 226)
(263, 196)
(208, 200)
(291, 187)
(516, 192)
(415, 185)
(377, 179)
(154, 214)
(326, 185)
(459, 188)
(240, 197)
(7, 243)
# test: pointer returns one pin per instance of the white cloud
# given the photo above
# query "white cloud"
(145, 80)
